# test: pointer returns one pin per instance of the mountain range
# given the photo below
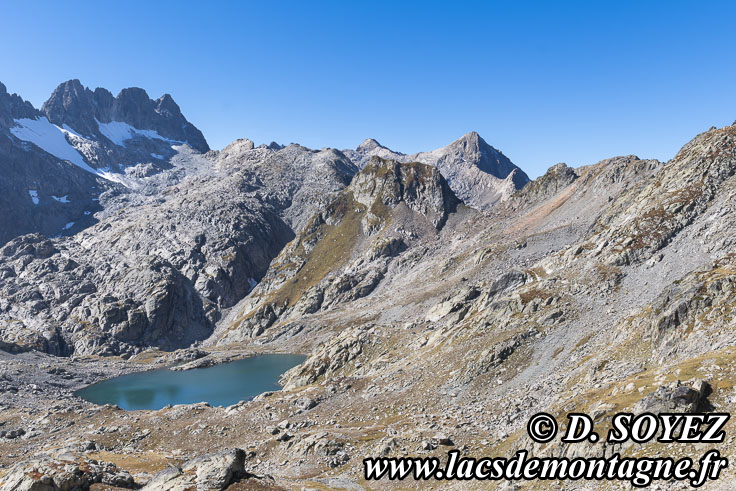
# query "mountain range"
(441, 298)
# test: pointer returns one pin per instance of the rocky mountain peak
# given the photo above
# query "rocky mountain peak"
(166, 105)
(72, 103)
(83, 110)
(475, 171)
(472, 138)
(368, 145)
(474, 150)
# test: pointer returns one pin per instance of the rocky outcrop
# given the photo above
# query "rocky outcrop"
(62, 472)
(329, 358)
(676, 397)
(386, 183)
(557, 177)
(214, 471)
(294, 179)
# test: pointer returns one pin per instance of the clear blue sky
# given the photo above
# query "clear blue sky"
(545, 82)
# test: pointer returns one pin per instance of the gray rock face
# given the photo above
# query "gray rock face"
(675, 398)
(479, 174)
(328, 359)
(295, 179)
(557, 178)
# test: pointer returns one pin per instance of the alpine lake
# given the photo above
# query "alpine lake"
(219, 385)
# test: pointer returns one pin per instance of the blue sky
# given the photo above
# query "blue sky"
(545, 82)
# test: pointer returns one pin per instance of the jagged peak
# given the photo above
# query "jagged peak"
(166, 103)
(134, 93)
(558, 168)
(238, 146)
(17, 99)
(65, 95)
(76, 105)
(70, 86)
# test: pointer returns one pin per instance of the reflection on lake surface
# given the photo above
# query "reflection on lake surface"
(221, 385)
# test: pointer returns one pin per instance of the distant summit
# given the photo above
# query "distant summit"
(479, 174)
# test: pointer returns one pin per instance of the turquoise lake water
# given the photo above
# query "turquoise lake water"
(220, 385)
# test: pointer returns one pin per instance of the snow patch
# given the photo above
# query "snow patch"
(86, 212)
(51, 139)
(68, 130)
(119, 132)
(252, 284)
(157, 156)
(112, 176)
(68, 226)
(63, 199)
(34, 196)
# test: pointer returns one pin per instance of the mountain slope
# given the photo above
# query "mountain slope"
(39, 192)
(346, 249)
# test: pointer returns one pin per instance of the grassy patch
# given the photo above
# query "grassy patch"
(142, 462)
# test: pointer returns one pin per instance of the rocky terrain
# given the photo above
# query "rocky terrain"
(440, 299)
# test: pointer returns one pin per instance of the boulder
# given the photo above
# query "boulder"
(211, 471)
